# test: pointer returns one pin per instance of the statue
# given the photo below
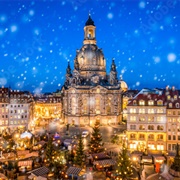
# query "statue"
(177, 150)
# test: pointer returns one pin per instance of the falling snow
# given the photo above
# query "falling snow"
(38, 39)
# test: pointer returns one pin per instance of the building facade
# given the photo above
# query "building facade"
(153, 121)
(15, 109)
(46, 108)
(146, 121)
(89, 93)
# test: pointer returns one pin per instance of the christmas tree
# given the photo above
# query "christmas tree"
(95, 144)
(124, 166)
(49, 151)
(79, 156)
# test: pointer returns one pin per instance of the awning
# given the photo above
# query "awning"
(99, 156)
(25, 163)
(105, 162)
(74, 171)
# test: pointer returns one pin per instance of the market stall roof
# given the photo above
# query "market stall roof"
(100, 156)
(40, 171)
(73, 171)
(105, 162)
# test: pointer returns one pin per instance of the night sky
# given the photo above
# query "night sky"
(38, 38)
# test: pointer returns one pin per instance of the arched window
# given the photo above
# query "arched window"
(159, 127)
(108, 108)
(170, 105)
(73, 105)
(141, 127)
(134, 102)
(151, 136)
(177, 105)
(85, 106)
(160, 137)
(151, 127)
(132, 136)
(97, 105)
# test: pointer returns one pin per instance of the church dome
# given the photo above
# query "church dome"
(90, 57)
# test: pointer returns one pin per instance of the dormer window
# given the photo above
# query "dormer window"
(168, 97)
(159, 102)
(141, 102)
(150, 102)
(175, 97)
(134, 102)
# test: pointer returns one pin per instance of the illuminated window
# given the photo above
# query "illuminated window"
(159, 118)
(151, 119)
(85, 106)
(175, 97)
(160, 111)
(170, 105)
(141, 111)
(141, 118)
(108, 108)
(73, 105)
(169, 112)
(132, 118)
(97, 105)
(141, 102)
(150, 102)
(132, 110)
(150, 111)
(133, 146)
(159, 102)
(160, 147)
(168, 97)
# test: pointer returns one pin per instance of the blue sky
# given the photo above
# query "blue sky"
(38, 38)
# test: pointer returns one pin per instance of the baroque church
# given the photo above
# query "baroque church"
(90, 94)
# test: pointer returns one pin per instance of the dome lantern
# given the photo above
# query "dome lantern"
(89, 32)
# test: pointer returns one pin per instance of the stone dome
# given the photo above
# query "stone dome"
(90, 57)
(123, 85)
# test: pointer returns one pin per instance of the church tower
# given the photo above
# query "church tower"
(90, 94)
(89, 32)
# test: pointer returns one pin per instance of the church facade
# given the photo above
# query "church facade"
(90, 94)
